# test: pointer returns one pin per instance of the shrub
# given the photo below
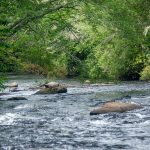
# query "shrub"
(34, 69)
(145, 74)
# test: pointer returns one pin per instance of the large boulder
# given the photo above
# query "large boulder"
(52, 88)
(115, 107)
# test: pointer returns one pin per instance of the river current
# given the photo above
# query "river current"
(62, 121)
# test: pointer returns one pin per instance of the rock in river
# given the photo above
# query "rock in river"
(52, 88)
(115, 107)
(51, 85)
(87, 81)
(2, 94)
(14, 89)
(14, 84)
(16, 98)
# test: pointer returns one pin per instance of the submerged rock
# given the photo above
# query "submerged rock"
(2, 94)
(115, 107)
(52, 88)
(14, 89)
(16, 98)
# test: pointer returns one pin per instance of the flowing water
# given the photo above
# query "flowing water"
(62, 121)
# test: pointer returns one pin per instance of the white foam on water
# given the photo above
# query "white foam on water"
(23, 106)
(135, 103)
(8, 118)
(55, 119)
(147, 122)
(140, 115)
(69, 118)
(20, 93)
(144, 97)
(100, 122)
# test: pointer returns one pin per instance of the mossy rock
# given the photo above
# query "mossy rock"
(119, 107)
(52, 90)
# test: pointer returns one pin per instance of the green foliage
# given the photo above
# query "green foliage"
(145, 74)
(91, 39)
(118, 27)
(2, 80)
(1, 84)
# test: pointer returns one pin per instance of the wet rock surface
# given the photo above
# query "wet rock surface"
(2, 94)
(13, 84)
(51, 85)
(119, 107)
(16, 98)
(52, 88)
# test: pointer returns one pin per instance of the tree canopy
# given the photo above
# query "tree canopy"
(91, 39)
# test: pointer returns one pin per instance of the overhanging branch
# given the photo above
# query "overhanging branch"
(29, 18)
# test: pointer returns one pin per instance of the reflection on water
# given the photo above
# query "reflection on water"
(62, 121)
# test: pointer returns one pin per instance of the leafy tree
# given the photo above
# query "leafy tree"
(92, 39)
(117, 29)
(22, 19)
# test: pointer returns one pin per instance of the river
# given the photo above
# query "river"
(62, 121)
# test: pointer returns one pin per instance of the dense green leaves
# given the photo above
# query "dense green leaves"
(93, 39)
